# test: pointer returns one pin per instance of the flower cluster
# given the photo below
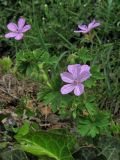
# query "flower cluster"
(77, 73)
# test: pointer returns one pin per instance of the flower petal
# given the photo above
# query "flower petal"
(26, 28)
(79, 89)
(21, 23)
(74, 69)
(19, 36)
(67, 88)
(82, 27)
(84, 73)
(78, 31)
(67, 77)
(96, 25)
(93, 24)
(10, 35)
(12, 27)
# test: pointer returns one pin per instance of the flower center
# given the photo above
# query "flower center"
(77, 82)
(19, 30)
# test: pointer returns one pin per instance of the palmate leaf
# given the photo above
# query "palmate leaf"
(55, 99)
(95, 124)
(83, 55)
(51, 144)
(91, 108)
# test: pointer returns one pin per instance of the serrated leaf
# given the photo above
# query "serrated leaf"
(84, 55)
(91, 108)
(90, 83)
(56, 100)
(87, 128)
(93, 125)
(5, 64)
(53, 145)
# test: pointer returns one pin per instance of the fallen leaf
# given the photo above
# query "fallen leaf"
(45, 111)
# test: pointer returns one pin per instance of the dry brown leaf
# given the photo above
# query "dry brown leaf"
(58, 125)
(85, 113)
(30, 105)
(45, 111)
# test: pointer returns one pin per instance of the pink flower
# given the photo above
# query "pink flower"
(17, 30)
(87, 29)
(75, 76)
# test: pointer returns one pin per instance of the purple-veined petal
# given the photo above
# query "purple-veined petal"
(84, 73)
(12, 27)
(74, 69)
(82, 27)
(19, 36)
(84, 76)
(85, 67)
(96, 25)
(79, 89)
(26, 28)
(21, 23)
(67, 77)
(93, 24)
(67, 88)
(10, 35)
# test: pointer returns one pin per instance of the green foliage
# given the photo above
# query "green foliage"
(53, 144)
(24, 129)
(83, 55)
(36, 65)
(94, 124)
(115, 127)
(28, 62)
(91, 108)
(45, 52)
(55, 99)
(5, 64)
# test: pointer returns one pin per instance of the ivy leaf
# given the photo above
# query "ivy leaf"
(110, 147)
(51, 144)
(13, 155)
